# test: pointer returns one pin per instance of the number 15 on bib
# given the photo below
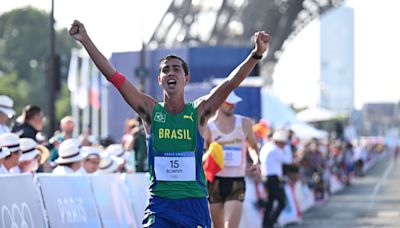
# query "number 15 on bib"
(175, 166)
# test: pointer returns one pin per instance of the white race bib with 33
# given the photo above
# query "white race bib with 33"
(232, 156)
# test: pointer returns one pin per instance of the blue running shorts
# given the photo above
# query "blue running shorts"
(177, 213)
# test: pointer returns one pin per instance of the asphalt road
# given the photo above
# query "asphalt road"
(371, 201)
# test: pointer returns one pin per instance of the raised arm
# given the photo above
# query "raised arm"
(140, 102)
(209, 104)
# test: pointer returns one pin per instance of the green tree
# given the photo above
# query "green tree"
(12, 87)
(24, 53)
(63, 104)
(24, 33)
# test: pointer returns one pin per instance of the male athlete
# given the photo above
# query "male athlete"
(175, 129)
(227, 190)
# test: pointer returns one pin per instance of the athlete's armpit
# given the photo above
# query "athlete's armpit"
(205, 116)
(144, 114)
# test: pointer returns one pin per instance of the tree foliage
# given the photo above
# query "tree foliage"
(24, 55)
(63, 104)
(17, 89)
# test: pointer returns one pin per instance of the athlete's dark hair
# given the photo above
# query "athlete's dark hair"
(185, 66)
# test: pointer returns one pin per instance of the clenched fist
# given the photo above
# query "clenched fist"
(261, 42)
(77, 30)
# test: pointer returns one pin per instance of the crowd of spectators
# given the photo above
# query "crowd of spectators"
(25, 149)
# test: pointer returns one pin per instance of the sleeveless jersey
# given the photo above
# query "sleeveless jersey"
(234, 148)
(175, 154)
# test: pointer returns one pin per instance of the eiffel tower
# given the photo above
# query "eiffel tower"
(233, 22)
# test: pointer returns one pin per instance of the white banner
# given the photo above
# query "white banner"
(113, 202)
(19, 202)
(138, 185)
(68, 200)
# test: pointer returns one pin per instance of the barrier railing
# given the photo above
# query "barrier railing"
(114, 200)
(90, 201)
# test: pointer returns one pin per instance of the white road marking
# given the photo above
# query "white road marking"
(379, 184)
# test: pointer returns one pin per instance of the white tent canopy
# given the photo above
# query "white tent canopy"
(306, 131)
(315, 114)
(278, 114)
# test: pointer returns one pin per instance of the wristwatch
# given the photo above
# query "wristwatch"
(255, 56)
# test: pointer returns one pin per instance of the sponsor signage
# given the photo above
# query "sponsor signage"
(138, 186)
(68, 200)
(19, 204)
(113, 202)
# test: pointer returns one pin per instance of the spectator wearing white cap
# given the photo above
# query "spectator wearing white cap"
(4, 152)
(118, 151)
(91, 159)
(110, 164)
(6, 112)
(235, 134)
(11, 141)
(272, 157)
(29, 159)
(70, 158)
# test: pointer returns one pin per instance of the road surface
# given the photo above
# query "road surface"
(371, 201)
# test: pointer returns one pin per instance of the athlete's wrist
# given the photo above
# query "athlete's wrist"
(256, 55)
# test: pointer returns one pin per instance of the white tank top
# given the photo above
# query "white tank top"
(234, 148)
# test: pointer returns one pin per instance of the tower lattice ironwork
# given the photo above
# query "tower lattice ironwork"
(233, 22)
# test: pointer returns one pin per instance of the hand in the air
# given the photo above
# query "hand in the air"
(77, 30)
(262, 42)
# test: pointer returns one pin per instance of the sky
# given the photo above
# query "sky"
(121, 25)
(114, 26)
(377, 75)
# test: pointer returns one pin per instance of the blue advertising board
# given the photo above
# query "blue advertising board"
(113, 202)
(19, 202)
(68, 200)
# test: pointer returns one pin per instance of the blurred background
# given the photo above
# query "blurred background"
(330, 69)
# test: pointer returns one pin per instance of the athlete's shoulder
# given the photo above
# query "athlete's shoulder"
(246, 120)
(247, 125)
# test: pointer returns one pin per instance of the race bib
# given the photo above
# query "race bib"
(232, 156)
(175, 166)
